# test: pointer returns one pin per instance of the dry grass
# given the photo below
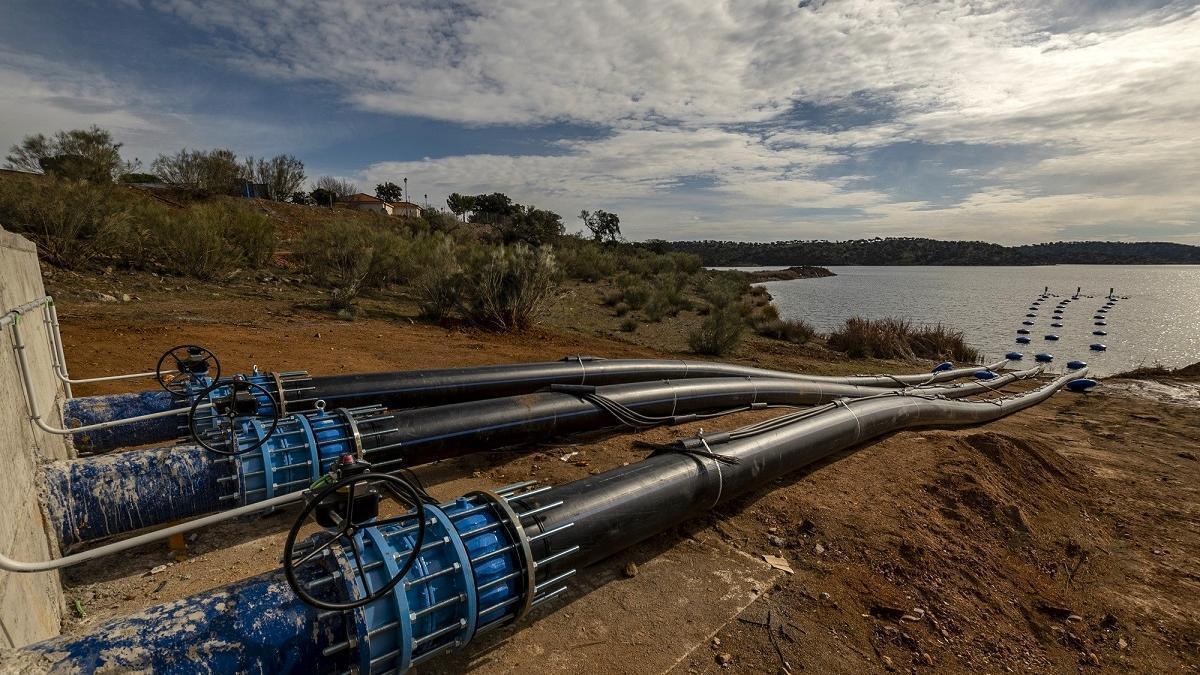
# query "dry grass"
(899, 339)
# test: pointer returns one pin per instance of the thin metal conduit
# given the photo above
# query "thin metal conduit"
(10, 565)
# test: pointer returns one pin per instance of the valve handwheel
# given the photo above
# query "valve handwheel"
(185, 363)
(225, 416)
(345, 507)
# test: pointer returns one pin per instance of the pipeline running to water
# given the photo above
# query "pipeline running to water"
(96, 497)
(483, 560)
(296, 391)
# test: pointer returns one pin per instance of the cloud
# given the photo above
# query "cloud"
(749, 119)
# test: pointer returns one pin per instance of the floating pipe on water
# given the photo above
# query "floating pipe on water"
(296, 391)
(486, 558)
(101, 496)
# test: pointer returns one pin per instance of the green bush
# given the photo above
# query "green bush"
(629, 325)
(667, 298)
(797, 331)
(720, 332)
(350, 257)
(508, 287)
(72, 222)
(584, 260)
(209, 241)
(436, 285)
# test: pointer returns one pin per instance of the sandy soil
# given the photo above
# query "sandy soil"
(1063, 538)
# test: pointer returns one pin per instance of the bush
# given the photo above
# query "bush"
(667, 299)
(897, 339)
(72, 222)
(209, 241)
(797, 331)
(350, 257)
(508, 287)
(584, 260)
(436, 286)
(629, 325)
(720, 331)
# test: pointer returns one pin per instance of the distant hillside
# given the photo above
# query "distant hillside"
(915, 251)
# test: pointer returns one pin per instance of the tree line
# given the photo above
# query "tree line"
(921, 251)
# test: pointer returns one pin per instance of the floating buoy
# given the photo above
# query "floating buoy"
(1056, 325)
(1031, 315)
(1099, 317)
(1082, 385)
(1022, 340)
(1026, 323)
(1076, 365)
(1101, 323)
(1102, 310)
(1014, 356)
(1100, 332)
(984, 375)
(1098, 347)
(944, 365)
(1044, 357)
(1023, 331)
(1052, 336)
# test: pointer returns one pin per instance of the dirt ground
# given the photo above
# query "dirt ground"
(1063, 538)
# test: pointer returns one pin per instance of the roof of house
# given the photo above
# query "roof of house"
(362, 198)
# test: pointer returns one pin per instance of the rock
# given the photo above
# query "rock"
(819, 549)
(887, 663)
(125, 297)
(823, 597)
(158, 570)
(807, 527)
(1187, 454)
(1074, 617)
(105, 297)
(724, 659)
(631, 570)
(1093, 659)
(775, 541)
(925, 659)
(716, 642)
(1122, 643)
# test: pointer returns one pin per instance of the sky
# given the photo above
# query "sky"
(752, 120)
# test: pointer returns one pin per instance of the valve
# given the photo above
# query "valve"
(235, 406)
(346, 503)
(186, 365)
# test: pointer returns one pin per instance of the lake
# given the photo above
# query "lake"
(1157, 321)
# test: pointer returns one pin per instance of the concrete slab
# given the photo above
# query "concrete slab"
(679, 598)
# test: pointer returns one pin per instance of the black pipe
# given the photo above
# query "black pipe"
(615, 509)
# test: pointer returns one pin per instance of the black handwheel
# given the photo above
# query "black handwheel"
(185, 363)
(339, 501)
(224, 419)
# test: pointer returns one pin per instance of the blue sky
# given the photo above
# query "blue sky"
(751, 120)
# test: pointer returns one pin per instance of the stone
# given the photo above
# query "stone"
(724, 659)
(105, 297)
(631, 570)
(775, 541)
(819, 549)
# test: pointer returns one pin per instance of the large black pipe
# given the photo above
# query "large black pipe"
(615, 509)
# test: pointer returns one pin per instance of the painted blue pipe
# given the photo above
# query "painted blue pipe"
(485, 560)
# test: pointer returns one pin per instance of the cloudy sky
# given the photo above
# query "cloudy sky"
(692, 119)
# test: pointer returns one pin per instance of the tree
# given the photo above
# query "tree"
(302, 198)
(323, 197)
(493, 209)
(460, 205)
(80, 154)
(605, 226)
(282, 174)
(532, 226)
(215, 172)
(339, 188)
(389, 192)
(138, 177)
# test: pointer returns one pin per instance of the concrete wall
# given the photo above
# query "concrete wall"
(31, 605)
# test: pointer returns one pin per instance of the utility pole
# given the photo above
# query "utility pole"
(406, 188)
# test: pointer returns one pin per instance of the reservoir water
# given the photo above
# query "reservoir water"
(1157, 321)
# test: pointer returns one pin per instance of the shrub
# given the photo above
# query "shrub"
(508, 287)
(629, 325)
(621, 309)
(350, 257)
(896, 338)
(632, 291)
(209, 241)
(667, 299)
(720, 331)
(72, 222)
(436, 285)
(797, 331)
(584, 260)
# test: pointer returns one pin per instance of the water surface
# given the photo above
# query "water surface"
(1157, 321)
